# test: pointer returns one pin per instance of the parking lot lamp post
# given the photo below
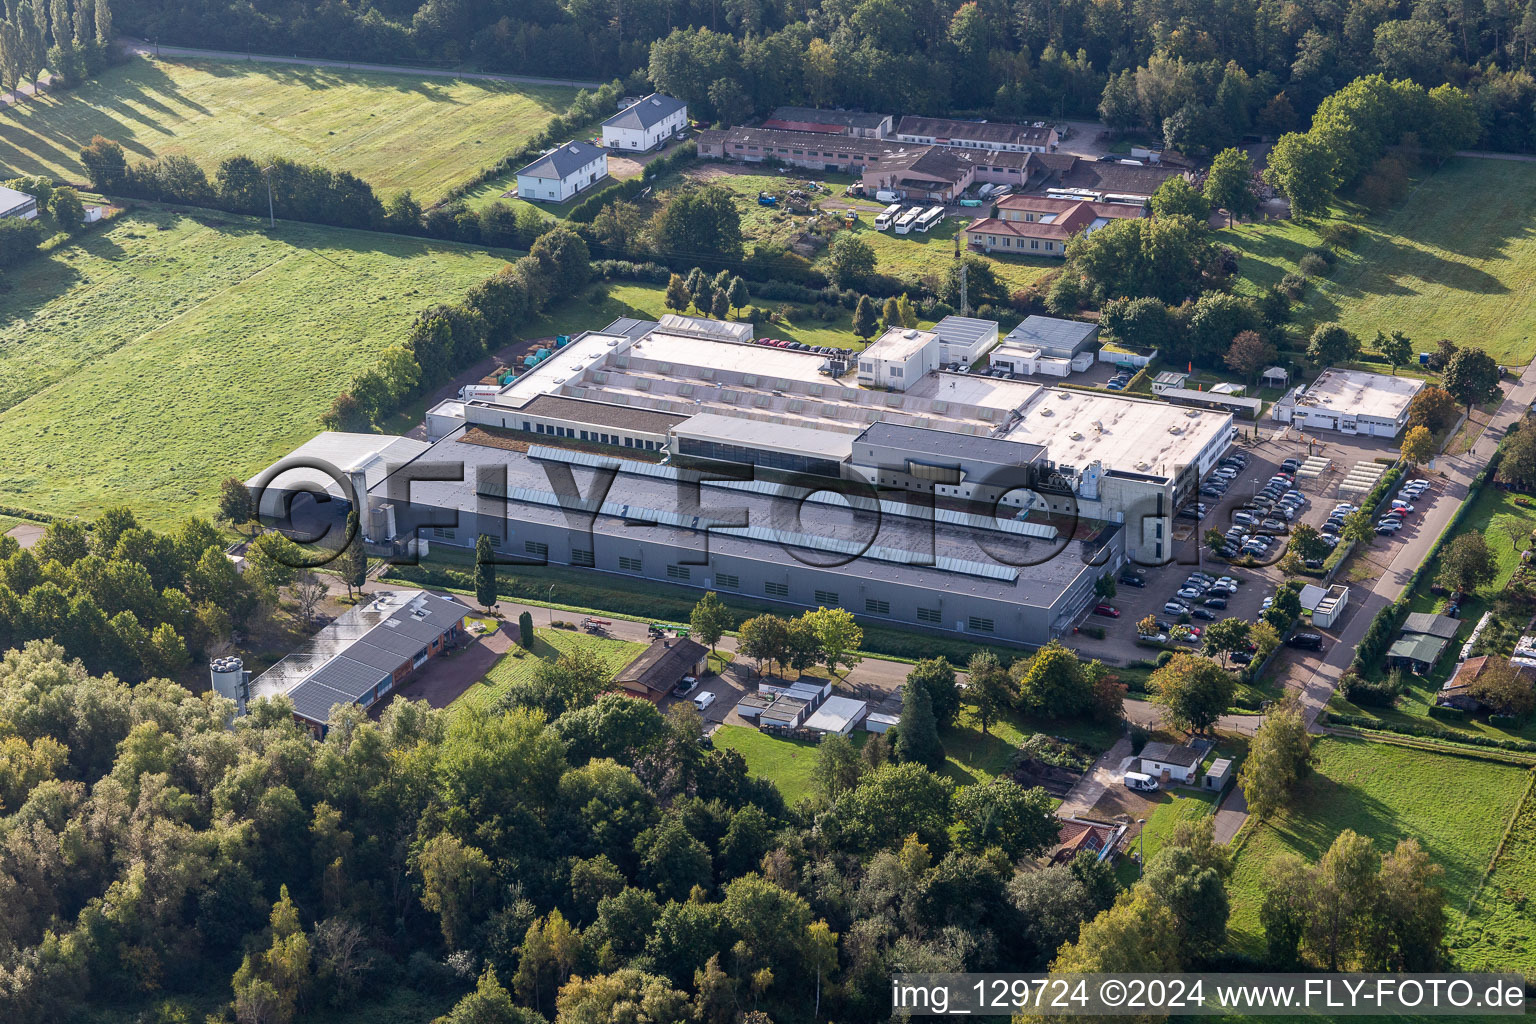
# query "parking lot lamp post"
(551, 605)
(1141, 848)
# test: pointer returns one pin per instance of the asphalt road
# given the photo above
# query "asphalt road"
(145, 49)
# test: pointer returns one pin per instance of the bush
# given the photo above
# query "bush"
(1447, 714)
(1294, 286)
(1163, 659)
(1313, 265)
(1341, 236)
(1359, 690)
(1139, 738)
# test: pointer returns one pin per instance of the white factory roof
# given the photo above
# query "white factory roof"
(1364, 394)
(899, 344)
(704, 327)
(564, 365)
(1127, 434)
(837, 714)
(753, 433)
(12, 200)
(764, 360)
(974, 389)
(347, 453)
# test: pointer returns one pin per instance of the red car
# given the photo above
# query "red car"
(1108, 611)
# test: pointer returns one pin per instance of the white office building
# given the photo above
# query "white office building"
(899, 358)
(1350, 402)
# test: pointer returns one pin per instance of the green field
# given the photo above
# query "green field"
(1455, 260)
(1456, 808)
(155, 357)
(394, 131)
(1500, 932)
(1172, 810)
(548, 644)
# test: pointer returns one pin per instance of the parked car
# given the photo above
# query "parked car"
(1215, 602)
(704, 700)
(1130, 579)
(1203, 613)
(1107, 610)
(1277, 525)
(1387, 528)
(1291, 465)
(1305, 641)
(1242, 657)
(1402, 506)
(1189, 593)
(685, 686)
(1175, 608)
(1246, 518)
(1313, 563)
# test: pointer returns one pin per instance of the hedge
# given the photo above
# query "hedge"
(1429, 731)
(1446, 714)
(586, 211)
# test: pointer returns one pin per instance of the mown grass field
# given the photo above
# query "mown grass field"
(163, 353)
(394, 131)
(1172, 810)
(1455, 260)
(548, 644)
(1457, 808)
(788, 764)
(1500, 930)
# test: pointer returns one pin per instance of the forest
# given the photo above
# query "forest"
(1219, 69)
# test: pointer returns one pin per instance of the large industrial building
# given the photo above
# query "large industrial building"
(684, 453)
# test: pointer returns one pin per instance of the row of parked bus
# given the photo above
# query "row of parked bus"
(908, 219)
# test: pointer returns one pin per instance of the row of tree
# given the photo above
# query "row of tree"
(68, 38)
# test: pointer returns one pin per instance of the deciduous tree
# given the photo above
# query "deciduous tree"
(1278, 759)
(1192, 691)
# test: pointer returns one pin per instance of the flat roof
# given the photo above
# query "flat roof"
(964, 330)
(920, 441)
(974, 389)
(750, 433)
(565, 364)
(821, 115)
(1126, 434)
(1049, 332)
(1357, 391)
(899, 344)
(580, 410)
(348, 453)
(836, 714)
(11, 199)
(762, 360)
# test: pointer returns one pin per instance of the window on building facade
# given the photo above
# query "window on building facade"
(627, 564)
(536, 549)
(877, 607)
(776, 589)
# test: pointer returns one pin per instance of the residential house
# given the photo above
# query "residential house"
(17, 204)
(1179, 763)
(562, 172)
(645, 125)
(1100, 838)
(1031, 225)
(661, 666)
(1039, 137)
(855, 123)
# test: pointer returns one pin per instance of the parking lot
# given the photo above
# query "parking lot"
(1254, 582)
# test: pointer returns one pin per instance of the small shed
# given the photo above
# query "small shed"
(1430, 624)
(837, 715)
(1275, 377)
(1164, 760)
(1168, 379)
(1220, 774)
(1416, 652)
(878, 721)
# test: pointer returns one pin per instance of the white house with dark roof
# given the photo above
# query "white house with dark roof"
(562, 172)
(645, 125)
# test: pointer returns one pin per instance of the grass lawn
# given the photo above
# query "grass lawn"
(548, 644)
(1172, 809)
(394, 131)
(1500, 931)
(1455, 260)
(788, 764)
(154, 358)
(1456, 808)
(976, 757)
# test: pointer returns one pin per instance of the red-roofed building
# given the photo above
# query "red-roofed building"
(1042, 225)
(1078, 834)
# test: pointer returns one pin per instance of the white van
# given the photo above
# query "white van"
(1141, 783)
(705, 699)
(885, 196)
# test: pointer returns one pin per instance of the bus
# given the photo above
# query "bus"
(929, 219)
(887, 217)
(904, 225)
